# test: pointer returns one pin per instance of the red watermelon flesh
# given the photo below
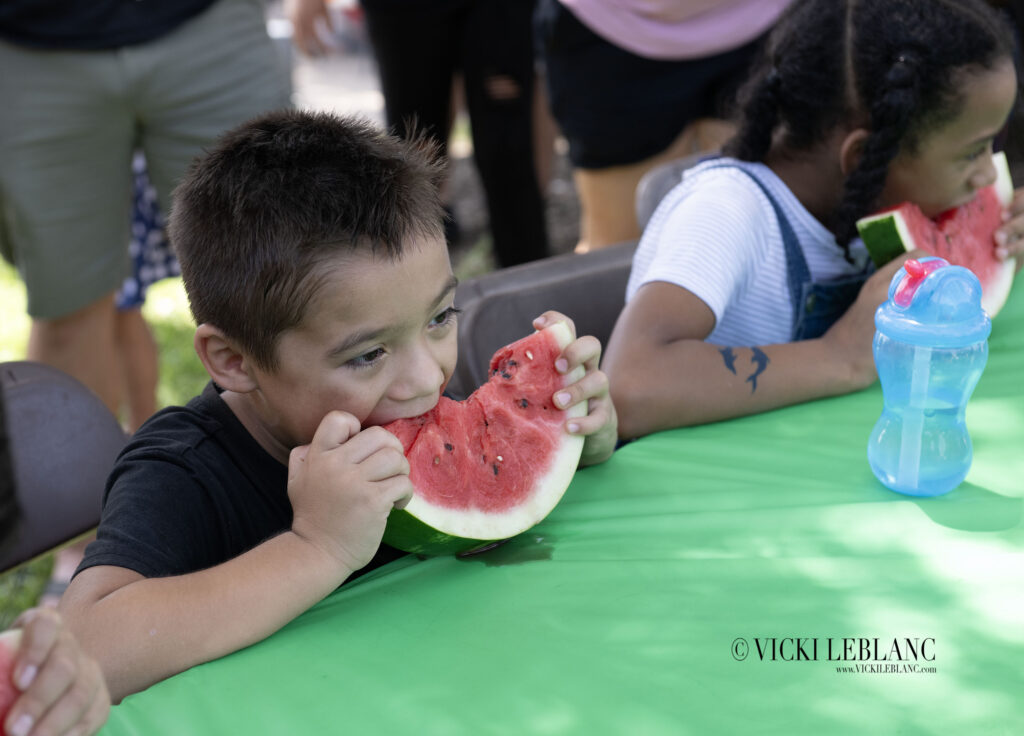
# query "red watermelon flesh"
(491, 466)
(964, 236)
(9, 642)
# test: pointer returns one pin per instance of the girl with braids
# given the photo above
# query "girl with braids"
(749, 290)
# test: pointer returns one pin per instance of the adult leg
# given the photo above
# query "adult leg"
(416, 55)
(65, 142)
(82, 345)
(608, 195)
(498, 63)
(139, 359)
(207, 76)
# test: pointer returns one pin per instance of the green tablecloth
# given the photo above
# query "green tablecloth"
(622, 613)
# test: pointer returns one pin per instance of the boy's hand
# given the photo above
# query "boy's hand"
(1010, 237)
(62, 689)
(852, 334)
(600, 425)
(343, 485)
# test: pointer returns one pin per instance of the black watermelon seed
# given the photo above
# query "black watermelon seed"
(495, 467)
(448, 446)
(524, 403)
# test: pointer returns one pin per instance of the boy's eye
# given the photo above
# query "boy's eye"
(445, 317)
(367, 359)
(978, 153)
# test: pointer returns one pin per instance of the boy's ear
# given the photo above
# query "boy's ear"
(851, 148)
(227, 366)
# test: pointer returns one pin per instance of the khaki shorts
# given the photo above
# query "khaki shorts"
(72, 120)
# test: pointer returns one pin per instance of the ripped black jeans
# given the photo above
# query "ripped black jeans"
(419, 48)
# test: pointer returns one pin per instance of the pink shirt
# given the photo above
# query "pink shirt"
(677, 29)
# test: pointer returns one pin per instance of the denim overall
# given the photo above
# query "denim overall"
(816, 305)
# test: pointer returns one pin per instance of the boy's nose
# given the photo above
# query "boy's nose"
(423, 376)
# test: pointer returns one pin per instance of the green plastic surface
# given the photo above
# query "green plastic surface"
(621, 612)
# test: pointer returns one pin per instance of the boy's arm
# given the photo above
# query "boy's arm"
(663, 375)
(341, 486)
(142, 630)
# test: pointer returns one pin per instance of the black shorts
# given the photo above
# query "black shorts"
(617, 108)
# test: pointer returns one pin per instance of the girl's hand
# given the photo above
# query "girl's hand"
(62, 689)
(600, 425)
(1010, 237)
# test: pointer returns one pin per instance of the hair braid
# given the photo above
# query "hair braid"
(760, 113)
(891, 115)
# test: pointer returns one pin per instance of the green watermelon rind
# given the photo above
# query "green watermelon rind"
(887, 236)
(423, 528)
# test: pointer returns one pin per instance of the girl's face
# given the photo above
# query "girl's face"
(954, 161)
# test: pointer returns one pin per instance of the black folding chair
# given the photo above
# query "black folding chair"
(61, 442)
(499, 307)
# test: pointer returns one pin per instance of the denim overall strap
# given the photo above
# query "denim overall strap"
(797, 272)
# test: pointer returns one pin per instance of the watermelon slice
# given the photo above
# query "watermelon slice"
(492, 466)
(963, 236)
(9, 642)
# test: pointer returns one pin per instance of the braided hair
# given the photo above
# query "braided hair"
(891, 64)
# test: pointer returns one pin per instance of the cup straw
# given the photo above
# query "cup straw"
(908, 475)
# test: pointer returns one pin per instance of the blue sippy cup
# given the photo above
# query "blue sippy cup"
(930, 348)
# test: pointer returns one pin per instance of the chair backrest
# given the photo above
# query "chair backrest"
(499, 307)
(659, 181)
(62, 442)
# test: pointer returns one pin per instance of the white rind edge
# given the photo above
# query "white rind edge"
(1003, 183)
(476, 524)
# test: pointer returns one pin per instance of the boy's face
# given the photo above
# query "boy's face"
(378, 341)
(954, 161)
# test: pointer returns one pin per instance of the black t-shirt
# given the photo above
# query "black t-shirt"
(193, 489)
(92, 25)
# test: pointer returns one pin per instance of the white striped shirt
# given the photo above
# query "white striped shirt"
(716, 235)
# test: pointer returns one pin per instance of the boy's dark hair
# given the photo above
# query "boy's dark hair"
(891, 65)
(256, 218)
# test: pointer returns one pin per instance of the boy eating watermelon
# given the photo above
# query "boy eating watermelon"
(313, 253)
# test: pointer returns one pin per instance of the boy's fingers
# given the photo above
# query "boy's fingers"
(385, 463)
(369, 441)
(54, 679)
(550, 317)
(335, 429)
(73, 704)
(397, 491)
(585, 351)
(297, 462)
(591, 423)
(40, 631)
(593, 384)
(96, 715)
